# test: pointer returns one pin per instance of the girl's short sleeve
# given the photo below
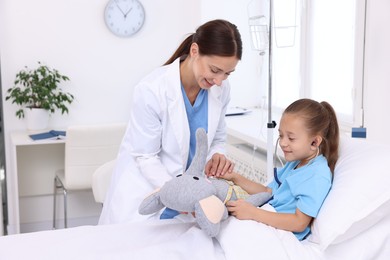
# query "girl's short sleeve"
(311, 193)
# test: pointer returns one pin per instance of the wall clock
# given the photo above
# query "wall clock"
(124, 18)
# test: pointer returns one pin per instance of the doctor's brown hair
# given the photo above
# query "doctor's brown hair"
(216, 37)
(320, 119)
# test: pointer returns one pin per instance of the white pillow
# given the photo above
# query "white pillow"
(374, 243)
(360, 195)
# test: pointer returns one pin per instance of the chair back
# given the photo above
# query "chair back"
(101, 180)
(86, 149)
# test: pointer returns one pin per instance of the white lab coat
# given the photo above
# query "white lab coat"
(156, 144)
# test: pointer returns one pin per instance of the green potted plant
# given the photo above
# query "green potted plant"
(39, 90)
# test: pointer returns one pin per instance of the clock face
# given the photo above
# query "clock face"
(124, 17)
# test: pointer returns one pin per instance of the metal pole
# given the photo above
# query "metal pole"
(271, 124)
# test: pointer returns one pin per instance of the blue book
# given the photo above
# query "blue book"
(52, 135)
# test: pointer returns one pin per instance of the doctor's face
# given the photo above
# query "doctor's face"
(212, 70)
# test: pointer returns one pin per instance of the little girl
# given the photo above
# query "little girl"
(309, 138)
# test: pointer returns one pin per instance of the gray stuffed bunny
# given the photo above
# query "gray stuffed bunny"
(194, 192)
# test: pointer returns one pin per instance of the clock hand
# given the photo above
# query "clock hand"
(128, 12)
(120, 9)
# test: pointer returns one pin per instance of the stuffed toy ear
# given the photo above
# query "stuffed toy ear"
(209, 212)
(151, 204)
(199, 161)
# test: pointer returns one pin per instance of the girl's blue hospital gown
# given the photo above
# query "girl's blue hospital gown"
(304, 188)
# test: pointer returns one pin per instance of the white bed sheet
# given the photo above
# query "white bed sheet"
(245, 239)
(168, 239)
(147, 240)
(175, 239)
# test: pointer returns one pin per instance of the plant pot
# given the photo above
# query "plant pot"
(36, 118)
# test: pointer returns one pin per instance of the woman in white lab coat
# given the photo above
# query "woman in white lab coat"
(190, 91)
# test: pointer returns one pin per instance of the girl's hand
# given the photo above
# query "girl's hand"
(241, 209)
(218, 165)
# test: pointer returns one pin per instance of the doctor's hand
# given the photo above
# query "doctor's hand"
(218, 165)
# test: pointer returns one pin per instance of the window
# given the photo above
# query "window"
(286, 54)
(326, 60)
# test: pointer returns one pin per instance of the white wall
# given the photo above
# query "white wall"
(377, 76)
(72, 37)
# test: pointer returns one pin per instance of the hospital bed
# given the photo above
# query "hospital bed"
(354, 223)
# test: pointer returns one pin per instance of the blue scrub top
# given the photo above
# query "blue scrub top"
(304, 188)
(197, 116)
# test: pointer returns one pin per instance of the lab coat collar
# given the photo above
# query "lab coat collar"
(177, 111)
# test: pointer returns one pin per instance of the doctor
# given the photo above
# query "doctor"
(190, 91)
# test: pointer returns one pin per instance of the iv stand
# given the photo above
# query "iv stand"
(271, 124)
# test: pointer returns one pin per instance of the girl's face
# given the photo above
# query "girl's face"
(212, 70)
(295, 140)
